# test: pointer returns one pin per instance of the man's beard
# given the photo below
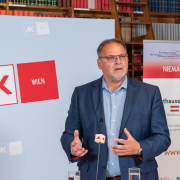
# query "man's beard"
(117, 78)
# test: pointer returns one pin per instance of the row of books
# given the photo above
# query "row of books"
(35, 2)
(99, 4)
(165, 31)
(162, 31)
(17, 13)
(2, 1)
(164, 6)
(138, 8)
(32, 13)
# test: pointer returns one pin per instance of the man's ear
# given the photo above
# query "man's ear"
(99, 63)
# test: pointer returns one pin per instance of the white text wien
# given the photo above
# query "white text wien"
(171, 69)
(38, 81)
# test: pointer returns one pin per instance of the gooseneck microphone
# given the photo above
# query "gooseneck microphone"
(101, 122)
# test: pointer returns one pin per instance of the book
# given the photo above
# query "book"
(128, 7)
(124, 7)
(166, 6)
(123, 28)
(157, 6)
(171, 32)
(163, 31)
(68, 3)
(149, 3)
(160, 5)
(128, 30)
(137, 58)
(153, 5)
(60, 3)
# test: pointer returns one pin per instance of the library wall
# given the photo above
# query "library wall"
(42, 61)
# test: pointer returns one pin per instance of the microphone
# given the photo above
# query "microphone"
(99, 138)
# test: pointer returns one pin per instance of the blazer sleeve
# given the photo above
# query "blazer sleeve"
(73, 123)
(159, 139)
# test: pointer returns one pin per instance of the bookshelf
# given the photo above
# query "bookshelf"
(136, 43)
(67, 11)
(145, 18)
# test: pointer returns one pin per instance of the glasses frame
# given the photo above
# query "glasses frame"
(122, 59)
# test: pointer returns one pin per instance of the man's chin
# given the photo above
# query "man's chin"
(117, 79)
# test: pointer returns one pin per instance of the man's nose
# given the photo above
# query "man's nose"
(118, 60)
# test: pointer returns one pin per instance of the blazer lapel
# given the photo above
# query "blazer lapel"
(98, 103)
(129, 103)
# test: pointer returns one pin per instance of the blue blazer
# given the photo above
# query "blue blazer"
(143, 116)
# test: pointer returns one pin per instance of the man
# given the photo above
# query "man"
(134, 121)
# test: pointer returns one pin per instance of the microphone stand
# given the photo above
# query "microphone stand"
(101, 121)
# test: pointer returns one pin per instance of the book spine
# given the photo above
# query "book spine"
(33, 2)
(163, 6)
(156, 6)
(160, 5)
(153, 5)
(173, 6)
(124, 7)
(176, 6)
(103, 4)
(78, 3)
(36, 3)
(81, 3)
(169, 6)
(49, 2)
(68, 3)
(85, 4)
(128, 8)
(150, 7)
(166, 6)
(106, 4)
(96, 4)
(99, 4)
(120, 7)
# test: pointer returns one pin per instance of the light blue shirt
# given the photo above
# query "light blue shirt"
(113, 109)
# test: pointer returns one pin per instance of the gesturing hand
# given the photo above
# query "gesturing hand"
(129, 147)
(76, 145)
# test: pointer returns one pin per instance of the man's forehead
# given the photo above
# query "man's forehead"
(113, 47)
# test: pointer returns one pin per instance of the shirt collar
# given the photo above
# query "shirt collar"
(123, 85)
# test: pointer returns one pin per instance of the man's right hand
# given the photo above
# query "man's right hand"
(76, 146)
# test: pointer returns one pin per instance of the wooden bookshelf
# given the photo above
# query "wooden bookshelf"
(136, 42)
(3, 4)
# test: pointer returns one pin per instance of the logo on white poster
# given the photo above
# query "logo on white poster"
(7, 85)
(4, 149)
(30, 29)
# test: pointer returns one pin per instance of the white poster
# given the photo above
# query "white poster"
(161, 67)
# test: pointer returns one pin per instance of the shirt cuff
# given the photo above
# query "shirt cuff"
(140, 158)
(73, 156)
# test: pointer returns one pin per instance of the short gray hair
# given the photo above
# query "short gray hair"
(109, 41)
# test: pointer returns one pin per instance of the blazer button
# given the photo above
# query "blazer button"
(104, 167)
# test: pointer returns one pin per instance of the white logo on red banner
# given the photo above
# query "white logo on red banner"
(8, 93)
(37, 81)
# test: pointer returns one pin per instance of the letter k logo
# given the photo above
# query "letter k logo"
(8, 94)
(2, 87)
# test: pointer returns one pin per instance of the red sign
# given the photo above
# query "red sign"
(38, 81)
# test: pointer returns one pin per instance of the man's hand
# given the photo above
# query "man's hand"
(129, 147)
(76, 145)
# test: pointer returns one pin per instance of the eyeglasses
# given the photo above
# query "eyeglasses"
(112, 58)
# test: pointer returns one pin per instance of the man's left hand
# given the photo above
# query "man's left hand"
(128, 147)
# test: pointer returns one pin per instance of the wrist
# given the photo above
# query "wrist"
(140, 152)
